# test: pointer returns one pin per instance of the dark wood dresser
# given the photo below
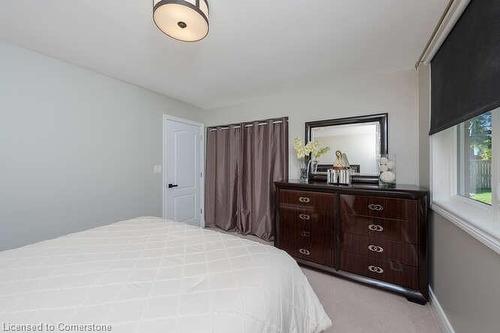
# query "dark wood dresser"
(366, 233)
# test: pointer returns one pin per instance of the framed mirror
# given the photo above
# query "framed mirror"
(361, 138)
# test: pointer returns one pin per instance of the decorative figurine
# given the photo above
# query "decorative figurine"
(341, 161)
(345, 161)
(341, 169)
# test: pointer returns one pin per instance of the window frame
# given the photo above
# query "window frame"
(480, 220)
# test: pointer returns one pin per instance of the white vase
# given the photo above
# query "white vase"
(303, 177)
(387, 169)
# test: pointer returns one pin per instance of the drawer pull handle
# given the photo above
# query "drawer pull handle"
(304, 199)
(375, 227)
(375, 248)
(375, 269)
(304, 252)
(305, 217)
(305, 234)
(377, 208)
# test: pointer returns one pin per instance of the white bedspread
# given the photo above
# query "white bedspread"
(152, 275)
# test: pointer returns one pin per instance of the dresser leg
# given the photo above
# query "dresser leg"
(417, 299)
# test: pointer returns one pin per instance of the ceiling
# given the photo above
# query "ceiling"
(253, 48)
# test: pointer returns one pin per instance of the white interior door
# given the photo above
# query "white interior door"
(183, 172)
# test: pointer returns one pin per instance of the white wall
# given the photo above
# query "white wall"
(77, 149)
(344, 96)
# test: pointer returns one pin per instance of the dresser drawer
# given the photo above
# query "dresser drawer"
(307, 233)
(308, 248)
(379, 229)
(388, 208)
(317, 200)
(390, 271)
(380, 249)
(302, 248)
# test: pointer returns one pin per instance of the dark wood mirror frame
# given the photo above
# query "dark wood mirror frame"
(381, 118)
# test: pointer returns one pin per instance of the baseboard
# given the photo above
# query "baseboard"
(439, 313)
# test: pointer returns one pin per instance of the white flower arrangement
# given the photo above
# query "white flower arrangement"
(312, 147)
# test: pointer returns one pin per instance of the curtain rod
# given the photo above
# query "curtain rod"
(247, 124)
(434, 33)
(239, 126)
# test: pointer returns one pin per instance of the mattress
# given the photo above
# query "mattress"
(154, 275)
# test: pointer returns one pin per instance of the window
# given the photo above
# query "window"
(466, 176)
(475, 158)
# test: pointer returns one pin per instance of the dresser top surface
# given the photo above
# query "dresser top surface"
(358, 187)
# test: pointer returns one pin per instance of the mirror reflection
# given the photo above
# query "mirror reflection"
(360, 142)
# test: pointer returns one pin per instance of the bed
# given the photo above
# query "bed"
(153, 275)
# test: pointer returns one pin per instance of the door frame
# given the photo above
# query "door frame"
(201, 187)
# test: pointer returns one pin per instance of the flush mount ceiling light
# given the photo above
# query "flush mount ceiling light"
(184, 20)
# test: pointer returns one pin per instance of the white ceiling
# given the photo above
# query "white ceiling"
(253, 48)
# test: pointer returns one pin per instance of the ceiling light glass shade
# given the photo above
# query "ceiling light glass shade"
(184, 20)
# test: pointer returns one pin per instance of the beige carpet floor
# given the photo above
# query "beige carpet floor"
(355, 308)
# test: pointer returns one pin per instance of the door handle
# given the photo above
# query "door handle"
(172, 185)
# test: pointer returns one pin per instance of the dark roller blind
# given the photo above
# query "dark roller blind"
(465, 72)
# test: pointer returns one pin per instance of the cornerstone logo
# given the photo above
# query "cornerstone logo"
(59, 327)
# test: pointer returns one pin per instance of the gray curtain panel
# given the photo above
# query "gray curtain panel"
(243, 162)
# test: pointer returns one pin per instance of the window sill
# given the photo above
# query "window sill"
(478, 220)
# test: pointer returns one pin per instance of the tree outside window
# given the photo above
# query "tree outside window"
(475, 158)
